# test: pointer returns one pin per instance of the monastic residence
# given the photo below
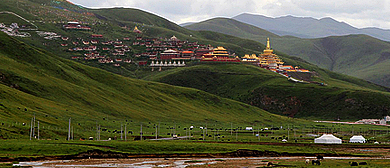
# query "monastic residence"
(269, 59)
(96, 36)
(200, 52)
(75, 25)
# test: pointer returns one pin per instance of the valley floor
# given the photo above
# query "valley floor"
(212, 162)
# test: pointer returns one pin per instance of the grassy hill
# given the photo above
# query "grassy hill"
(34, 81)
(267, 90)
(153, 26)
(355, 55)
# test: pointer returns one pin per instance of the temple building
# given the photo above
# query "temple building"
(250, 58)
(219, 54)
(200, 52)
(136, 30)
(269, 59)
(173, 38)
(169, 54)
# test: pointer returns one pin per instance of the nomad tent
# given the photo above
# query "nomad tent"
(357, 139)
(328, 139)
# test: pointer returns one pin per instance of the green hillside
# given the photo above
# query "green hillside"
(36, 82)
(274, 93)
(355, 55)
(111, 23)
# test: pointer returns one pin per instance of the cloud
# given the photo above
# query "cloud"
(358, 13)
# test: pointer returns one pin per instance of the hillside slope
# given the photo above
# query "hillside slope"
(270, 91)
(355, 55)
(35, 82)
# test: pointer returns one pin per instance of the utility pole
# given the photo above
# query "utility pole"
(288, 132)
(236, 135)
(253, 130)
(141, 133)
(125, 132)
(97, 131)
(31, 127)
(72, 133)
(38, 130)
(231, 129)
(203, 133)
(69, 129)
(206, 128)
(156, 132)
(34, 127)
(121, 131)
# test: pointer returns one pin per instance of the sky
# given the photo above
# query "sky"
(358, 13)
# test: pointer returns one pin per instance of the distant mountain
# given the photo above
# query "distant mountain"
(230, 27)
(361, 56)
(186, 24)
(307, 27)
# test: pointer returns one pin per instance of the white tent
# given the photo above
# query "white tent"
(357, 139)
(328, 139)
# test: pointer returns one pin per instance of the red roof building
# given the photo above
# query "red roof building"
(187, 54)
(97, 36)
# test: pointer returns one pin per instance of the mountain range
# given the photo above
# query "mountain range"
(308, 27)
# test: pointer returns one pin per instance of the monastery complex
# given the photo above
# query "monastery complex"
(268, 59)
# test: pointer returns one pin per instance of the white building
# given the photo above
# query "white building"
(357, 139)
(328, 139)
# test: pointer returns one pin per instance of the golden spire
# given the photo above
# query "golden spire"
(268, 46)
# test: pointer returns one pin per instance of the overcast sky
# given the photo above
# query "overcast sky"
(357, 13)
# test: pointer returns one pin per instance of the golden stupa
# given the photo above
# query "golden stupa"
(268, 58)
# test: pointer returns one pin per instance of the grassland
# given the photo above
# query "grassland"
(267, 90)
